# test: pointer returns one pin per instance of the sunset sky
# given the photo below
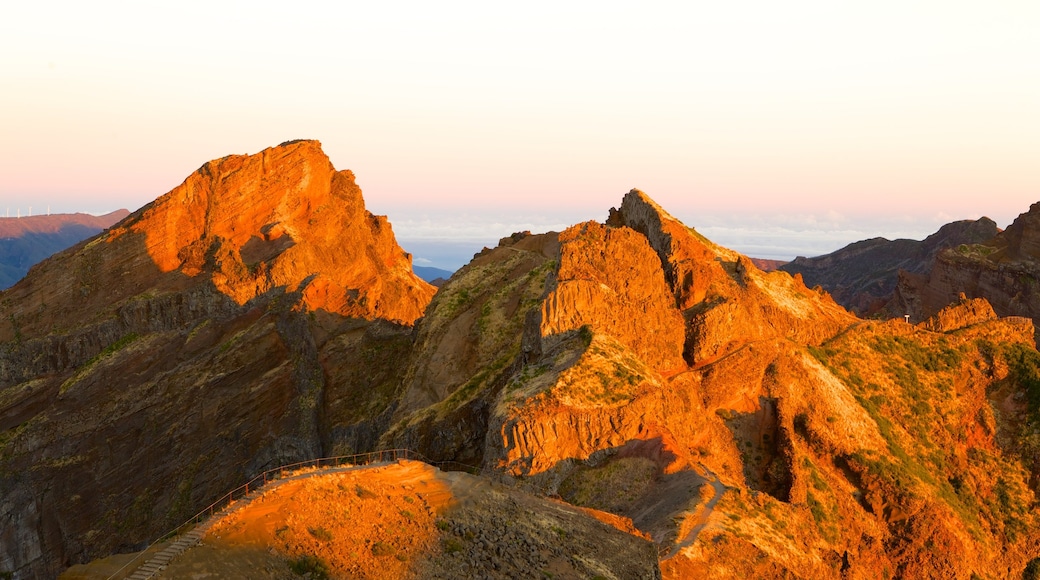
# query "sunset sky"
(775, 128)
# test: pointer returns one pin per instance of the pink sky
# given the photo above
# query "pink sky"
(466, 121)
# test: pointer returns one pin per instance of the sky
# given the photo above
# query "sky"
(775, 128)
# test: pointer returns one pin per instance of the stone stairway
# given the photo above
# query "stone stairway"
(159, 561)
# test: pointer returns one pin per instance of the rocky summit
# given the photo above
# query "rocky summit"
(751, 426)
(746, 425)
(145, 372)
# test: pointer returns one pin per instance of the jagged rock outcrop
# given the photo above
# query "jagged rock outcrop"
(246, 224)
(1004, 270)
(749, 425)
(480, 327)
(785, 438)
(610, 279)
(210, 335)
(963, 314)
(28, 240)
(863, 275)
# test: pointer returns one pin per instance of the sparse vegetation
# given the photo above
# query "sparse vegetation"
(320, 533)
(612, 486)
(108, 351)
(1032, 570)
(380, 549)
(606, 374)
(451, 545)
(311, 566)
(363, 493)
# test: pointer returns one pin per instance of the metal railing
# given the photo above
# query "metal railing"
(278, 473)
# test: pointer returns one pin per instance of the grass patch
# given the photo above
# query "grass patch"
(363, 493)
(108, 351)
(468, 390)
(310, 566)
(320, 533)
(383, 549)
(611, 487)
(451, 545)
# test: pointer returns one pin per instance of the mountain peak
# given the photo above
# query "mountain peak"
(283, 218)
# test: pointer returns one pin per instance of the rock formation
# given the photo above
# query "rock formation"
(146, 371)
(1004, 270)
(750, 426)
(26, 241)
(863, 275)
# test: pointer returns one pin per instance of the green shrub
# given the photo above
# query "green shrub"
(313, 565)
(321, 534)
(383, 549)
(451, 545)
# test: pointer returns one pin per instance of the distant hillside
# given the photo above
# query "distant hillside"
(1004, 269)
(767, 265)
(28, 240)
(863, 275)
(432, 274)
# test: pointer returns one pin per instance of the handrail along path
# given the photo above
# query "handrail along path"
(277, 473)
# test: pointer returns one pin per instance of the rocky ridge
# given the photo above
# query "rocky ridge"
(146, 371)
(749, 425)
(863, 275)
(1003, 269)
(653, 364)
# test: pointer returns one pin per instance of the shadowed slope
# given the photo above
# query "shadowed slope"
(147, 370)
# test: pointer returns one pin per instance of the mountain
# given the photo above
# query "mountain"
(432, 275)
(147, 370)
(767, 265)
(863, 275)
(28, 240)
(751, 426)
(1004, 269)
(257, 315)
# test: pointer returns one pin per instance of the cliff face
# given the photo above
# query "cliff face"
(1004, 270)
(751, 426)
(863, 276)
(208, 336)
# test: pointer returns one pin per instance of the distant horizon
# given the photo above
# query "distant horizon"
(786, 128)
(457, 241)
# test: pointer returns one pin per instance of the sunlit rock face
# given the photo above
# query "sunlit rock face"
(283, 218)
(209, 335)
(748, 425)
(636, 367)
